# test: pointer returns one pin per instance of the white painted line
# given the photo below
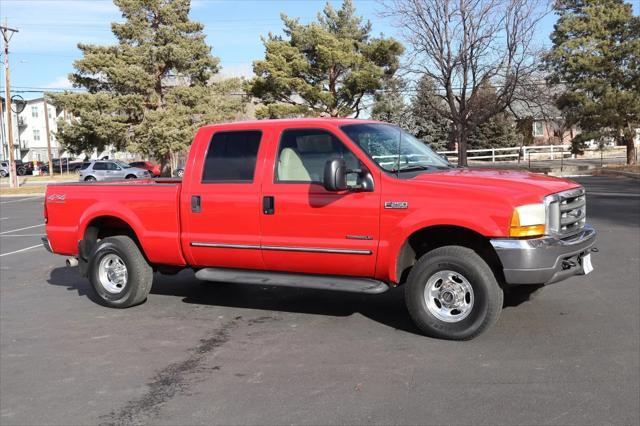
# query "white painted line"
(4, 218)
(21, 250)
(21, 229)
(20, 200)
(23, 235)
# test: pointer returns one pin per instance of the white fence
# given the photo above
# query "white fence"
(550, 152)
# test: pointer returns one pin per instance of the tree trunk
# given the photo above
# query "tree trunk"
(631, 151)
(460, 137)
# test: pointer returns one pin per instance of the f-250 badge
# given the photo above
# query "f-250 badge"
(396, 204)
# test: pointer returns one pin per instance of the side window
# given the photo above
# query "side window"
(231, 157)
(113, 166)
(303, 153)
(99, 166)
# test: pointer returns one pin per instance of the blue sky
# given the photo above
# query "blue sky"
(43, 51)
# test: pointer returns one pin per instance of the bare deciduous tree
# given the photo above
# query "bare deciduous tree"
(466, 46)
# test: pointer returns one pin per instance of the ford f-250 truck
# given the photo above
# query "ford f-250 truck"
(335, 204)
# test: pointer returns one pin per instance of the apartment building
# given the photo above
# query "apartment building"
(29, 129)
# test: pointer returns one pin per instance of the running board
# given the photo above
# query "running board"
(284, 279)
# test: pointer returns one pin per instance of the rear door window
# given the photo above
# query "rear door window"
(99, 166)
(231, 157)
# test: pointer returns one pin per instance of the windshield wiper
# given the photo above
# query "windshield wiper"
(412, 168)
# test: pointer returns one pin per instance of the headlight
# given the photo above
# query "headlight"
(528, 221)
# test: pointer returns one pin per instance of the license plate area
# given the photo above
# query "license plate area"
(587, 266)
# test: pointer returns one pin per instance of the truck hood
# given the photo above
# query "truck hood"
(518, 185)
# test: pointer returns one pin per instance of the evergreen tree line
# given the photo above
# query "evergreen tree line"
(150, 91)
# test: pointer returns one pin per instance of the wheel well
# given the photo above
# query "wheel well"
(103, 227)
(426, 239)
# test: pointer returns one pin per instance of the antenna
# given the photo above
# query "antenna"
(399, 148)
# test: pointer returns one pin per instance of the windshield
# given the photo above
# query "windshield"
(122, 164)
(381, 142)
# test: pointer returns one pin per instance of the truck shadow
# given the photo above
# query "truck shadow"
(387, 308)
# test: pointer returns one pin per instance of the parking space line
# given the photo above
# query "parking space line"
(20, 200)
(21, 250)
(21, 229)
(22, 235)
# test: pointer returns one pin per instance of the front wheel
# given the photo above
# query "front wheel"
(119, 273)
(451, 293)
(130, 177)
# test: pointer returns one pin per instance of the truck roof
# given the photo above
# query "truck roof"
(299, 121)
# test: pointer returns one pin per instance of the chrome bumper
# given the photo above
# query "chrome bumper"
(544, 260)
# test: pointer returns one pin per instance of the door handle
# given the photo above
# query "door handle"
(268, 204)
(195, 204)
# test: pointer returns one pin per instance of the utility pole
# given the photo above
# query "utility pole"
(46, 128)
(7, 33)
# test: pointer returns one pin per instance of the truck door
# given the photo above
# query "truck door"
(220, 201)
(306, 228)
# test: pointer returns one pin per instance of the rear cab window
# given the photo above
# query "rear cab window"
(231, 157)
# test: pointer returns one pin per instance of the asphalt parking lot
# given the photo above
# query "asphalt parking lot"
(209, 353)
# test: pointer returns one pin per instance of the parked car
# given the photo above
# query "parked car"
(110, 170)
(67, 164)
(179, 172)
(153, 169)
(4, 168)
(330, 204)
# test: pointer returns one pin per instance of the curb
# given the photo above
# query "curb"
(609, 172)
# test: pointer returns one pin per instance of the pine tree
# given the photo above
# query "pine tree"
(151, 90)
(596, 58)
(322, 68)
(427, 123)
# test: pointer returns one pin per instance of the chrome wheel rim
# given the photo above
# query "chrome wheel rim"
(112, 273)
(449, 296)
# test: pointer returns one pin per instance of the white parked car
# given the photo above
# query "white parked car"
(110, 170)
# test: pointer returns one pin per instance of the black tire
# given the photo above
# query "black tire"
(180, 173)
(486, 302)
(90, 179)
(21, 171)
(131, 177)
(3, 174)
(139, 273)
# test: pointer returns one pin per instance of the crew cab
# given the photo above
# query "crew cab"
(333, 204)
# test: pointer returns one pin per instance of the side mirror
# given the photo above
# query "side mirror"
(335, 175)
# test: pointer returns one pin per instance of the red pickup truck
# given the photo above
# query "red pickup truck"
(335, 204)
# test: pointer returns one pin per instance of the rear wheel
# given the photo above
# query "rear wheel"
(119, 273)
(130, 177)
(452, 293)
(90, 179)
(180, 173)
(3, 173)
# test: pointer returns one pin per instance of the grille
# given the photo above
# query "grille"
(567, 212)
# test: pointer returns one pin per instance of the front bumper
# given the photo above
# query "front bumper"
(544, 260)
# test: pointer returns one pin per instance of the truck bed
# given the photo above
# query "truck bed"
(149, 207)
